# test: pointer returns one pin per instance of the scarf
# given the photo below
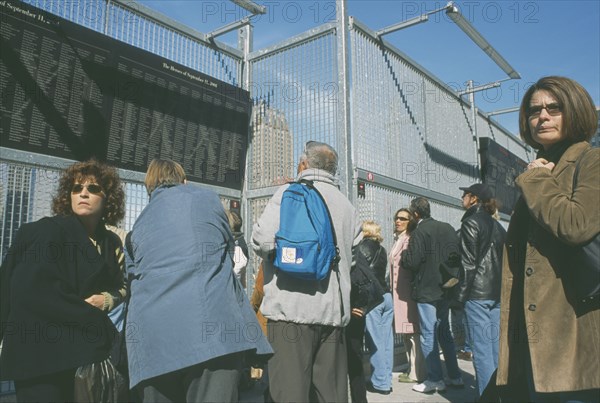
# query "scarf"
(555, 152)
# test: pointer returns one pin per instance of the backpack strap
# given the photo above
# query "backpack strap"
(311, 185)
(337, 257)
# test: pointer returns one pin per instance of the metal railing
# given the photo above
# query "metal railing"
(396, 126)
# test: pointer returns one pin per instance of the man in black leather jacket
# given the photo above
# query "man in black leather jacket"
(481, 241)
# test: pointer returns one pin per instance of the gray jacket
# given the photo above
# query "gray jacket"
(301, 301)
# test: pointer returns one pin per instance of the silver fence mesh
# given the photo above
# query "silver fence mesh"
(126, 23)
(405, 124)
(409, 126)
(296, 97)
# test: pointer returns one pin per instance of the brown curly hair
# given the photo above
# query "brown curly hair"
(106, 176)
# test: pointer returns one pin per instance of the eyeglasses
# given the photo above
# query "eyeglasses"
(91, 187)
(552, 110)
(401, 218)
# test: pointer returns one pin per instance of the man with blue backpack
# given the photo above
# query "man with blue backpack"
(305, 236)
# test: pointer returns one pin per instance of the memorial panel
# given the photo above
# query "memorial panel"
(71, 92)
(500, 167)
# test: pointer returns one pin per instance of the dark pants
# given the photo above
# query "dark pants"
(56, 387)
(310, 363)
(212, 381)
(355, 332)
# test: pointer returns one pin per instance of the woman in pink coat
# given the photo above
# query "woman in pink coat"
(406, 316)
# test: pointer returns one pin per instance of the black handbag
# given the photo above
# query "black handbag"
(98, 382)
(585, 260)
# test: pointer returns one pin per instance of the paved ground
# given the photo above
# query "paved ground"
(402, 392)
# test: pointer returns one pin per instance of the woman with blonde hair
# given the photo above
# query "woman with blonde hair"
(380, 339)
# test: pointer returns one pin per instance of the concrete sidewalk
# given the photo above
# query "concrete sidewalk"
(402, 392)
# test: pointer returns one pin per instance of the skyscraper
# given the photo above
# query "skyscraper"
(273, 156)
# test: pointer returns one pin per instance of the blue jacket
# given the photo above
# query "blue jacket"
(186, 306)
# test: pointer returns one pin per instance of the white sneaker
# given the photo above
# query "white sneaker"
(456, 383)
(430, 386)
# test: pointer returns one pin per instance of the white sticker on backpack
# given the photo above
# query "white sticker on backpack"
(288, 255)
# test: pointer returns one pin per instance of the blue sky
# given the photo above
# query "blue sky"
(538, 38)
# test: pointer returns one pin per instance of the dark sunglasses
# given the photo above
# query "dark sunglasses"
(401, 218)
(552, 109)
(92, 188)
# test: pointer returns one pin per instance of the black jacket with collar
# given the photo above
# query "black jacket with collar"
(481, 243)
(46, 325)
(374, 254)
(431, 243)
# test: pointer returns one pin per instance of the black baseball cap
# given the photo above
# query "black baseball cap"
(481, 190)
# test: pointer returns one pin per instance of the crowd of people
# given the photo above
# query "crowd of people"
(89, 313)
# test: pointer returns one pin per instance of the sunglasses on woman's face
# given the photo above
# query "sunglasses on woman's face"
(401, 218)
(92, 188)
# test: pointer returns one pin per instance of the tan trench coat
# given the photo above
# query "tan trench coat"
(564, 347)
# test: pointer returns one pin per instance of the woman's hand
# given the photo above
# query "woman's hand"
(359, 313)
(540, 163)
(96, 300)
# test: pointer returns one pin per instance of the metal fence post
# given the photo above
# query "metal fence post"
(344, 128)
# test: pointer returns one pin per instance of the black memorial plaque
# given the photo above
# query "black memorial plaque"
(500, 167)
(71, 92)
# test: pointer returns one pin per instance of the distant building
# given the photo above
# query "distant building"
(272, 143)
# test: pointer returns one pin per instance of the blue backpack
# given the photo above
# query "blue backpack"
(305, 245)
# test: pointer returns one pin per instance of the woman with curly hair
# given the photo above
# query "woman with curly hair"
(60, 277)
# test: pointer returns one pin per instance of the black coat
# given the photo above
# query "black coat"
(368, 283)
(430, 244)
(374, 255)
(47, 327)
(481, 244)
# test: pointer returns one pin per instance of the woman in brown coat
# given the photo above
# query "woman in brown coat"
(549, 342)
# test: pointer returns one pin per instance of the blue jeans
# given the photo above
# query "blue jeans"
(380, 341)
(483, 324)
(436, 329)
